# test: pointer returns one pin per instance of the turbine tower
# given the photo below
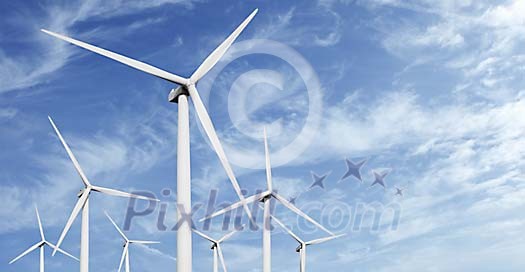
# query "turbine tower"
(302, 244)
(217, 250)
(41, 245)
(180, 95)
(127, 242)
(83, 204)
(266, 197)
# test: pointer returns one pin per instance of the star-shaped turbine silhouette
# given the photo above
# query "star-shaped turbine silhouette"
(379, 179)
(353, 169)
(292, 199)
(399, 191)
(318, 180)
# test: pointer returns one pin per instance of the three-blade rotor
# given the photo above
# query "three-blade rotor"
(125, 251)
(189, 84)
(41, 243)
(216, 245)
(269, 193)
(88, 188)
(299, 240)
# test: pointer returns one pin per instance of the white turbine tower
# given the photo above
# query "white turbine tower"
(41, 245)
(83, 204)
(217, 250)
(266, 197)
(127, 242)
(179, 95)
(302, 244)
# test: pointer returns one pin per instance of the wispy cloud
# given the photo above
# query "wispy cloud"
(24, 71)
(461, 37)
(299, 28)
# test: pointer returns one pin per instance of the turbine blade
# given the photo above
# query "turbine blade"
(221, 258)
(144, 67)
(289, 231)
(144, 242)
(204, 236)
(116, 226)
(33, 247)
(124, 252)
(296, 210)
(61, 251)
(268, 164)
(40, 224)
(80, 203)
(206, 123)
(236, 205)
(215, 56)
(322, 240)
(114, 192)
(70, 154)
(228, 235)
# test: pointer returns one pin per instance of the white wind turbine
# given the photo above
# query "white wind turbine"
(127, 242)
(179, 95)
(217, 250)
(266, 197)
(41, 245)
(83, 204)
(302, 244)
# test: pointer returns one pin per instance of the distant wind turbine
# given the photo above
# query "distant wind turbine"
(83, 204)
(266, 197)
(127, 242)
(180, 95)
(41, 245)
(302, 244)
(218, 256)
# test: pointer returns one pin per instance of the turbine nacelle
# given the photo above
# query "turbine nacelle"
(81, 192)
(216, 248)
(83, 197)
(40, 245)
(299, 247)
(188, 87)
(267, 195)
(173, 97)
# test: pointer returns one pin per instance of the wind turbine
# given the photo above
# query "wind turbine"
(127, 242)
(41, 245)
(266, 197)
(179, 95)
(217, 250)
(302, 244)
(83, 204)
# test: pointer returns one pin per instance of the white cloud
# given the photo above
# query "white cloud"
(156, 252)
(506, 15)
(24, 71)
(8, 113)
(110, 160)
(461, 37)
(304, 28)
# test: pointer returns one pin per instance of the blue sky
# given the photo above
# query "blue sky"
(432, 93)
